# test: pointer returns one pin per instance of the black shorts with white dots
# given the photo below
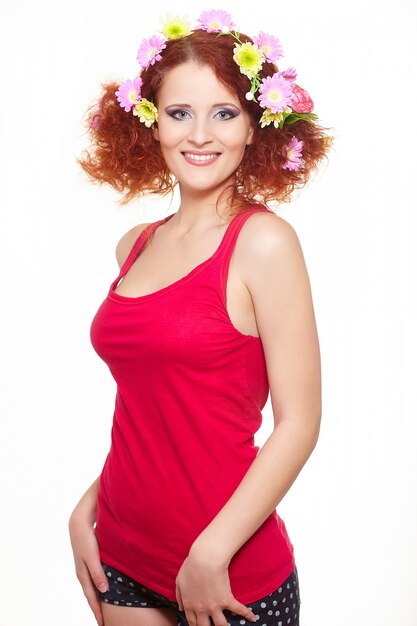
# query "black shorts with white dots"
(279, 608)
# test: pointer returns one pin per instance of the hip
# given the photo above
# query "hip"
(281, 607)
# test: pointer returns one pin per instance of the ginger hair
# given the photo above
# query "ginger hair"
(124, 154)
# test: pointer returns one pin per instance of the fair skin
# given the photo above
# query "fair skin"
(268, 295)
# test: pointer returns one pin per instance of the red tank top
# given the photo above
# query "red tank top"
(190, 390)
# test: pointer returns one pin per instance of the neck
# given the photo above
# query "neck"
(200, 206)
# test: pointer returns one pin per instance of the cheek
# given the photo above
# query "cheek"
(170, 153)
(236, 139)
(169, 134)
(237, 148)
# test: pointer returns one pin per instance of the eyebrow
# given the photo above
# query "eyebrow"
(219, 104)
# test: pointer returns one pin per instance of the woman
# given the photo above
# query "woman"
(210, 312)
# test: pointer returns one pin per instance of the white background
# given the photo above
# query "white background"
(351, 514)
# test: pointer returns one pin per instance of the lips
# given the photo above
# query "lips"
(200, 158)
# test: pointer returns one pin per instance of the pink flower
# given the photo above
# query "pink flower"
(301, 101)
(128, 93)
(275, 93)
(149, 51)
(292, 153)
(270, 46)
(290, 73)
(215, 21)
(94, 119)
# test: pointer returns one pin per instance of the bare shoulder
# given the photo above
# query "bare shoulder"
(125, 244)
(267, 240)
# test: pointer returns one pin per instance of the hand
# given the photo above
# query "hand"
(203, 591)
(87, 564)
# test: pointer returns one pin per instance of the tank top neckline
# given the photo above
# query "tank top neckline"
(137, 247)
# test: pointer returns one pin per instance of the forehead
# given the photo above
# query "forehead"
(196, 82)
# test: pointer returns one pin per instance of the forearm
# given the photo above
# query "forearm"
(268, 479)
(85, 510)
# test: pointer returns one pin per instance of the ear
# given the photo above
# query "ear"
(155, 133)
(250, 135)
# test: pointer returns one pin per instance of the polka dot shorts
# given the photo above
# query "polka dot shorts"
(279, 608)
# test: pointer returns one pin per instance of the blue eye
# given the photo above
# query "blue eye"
(176, 114)
(183, 114)
(225, 114)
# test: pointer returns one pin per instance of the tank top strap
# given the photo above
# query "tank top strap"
(229, 243)
(139, 243)
(234, 229)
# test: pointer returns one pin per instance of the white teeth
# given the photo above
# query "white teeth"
(200, 157)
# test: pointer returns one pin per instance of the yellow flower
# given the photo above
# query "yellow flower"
(175, 27)
(146, 111)
(268, 117)
(249, 58)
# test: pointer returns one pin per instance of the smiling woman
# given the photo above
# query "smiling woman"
(125, 155)
(202, 134)
(197, 330)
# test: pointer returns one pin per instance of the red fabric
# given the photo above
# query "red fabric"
(190, 389)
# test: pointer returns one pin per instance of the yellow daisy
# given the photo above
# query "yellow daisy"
(274, 118)
(249, 58)
(175, 27)
(146, 111)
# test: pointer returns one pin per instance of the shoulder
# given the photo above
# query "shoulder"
(265, 222)
(125, 244)
(267, 240)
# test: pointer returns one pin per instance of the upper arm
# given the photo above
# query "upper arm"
(125, 244)
(276, 276)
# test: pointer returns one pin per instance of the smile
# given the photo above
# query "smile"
(200, 159)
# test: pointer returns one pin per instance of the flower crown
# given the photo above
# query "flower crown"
(283, 101)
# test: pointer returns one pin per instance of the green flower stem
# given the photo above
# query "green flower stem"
(235, 34)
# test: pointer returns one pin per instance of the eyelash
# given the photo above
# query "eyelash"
(230, 113)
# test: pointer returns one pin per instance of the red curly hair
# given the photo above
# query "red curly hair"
(124, 153)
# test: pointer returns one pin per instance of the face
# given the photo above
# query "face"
(202, 128)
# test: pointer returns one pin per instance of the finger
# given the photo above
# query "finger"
(203, 619)
(243, 610)
(92, 597)
(179, 598)
(92, 562)
(90, 592)
(95, 606)
(219, 618)
(89, 569)
(97, 575)
(191, 618)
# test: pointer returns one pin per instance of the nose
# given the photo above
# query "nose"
(200, 132)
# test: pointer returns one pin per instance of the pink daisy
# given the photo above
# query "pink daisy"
(215, 21)
(149, 51)
(292, 152)
(270, 46)
(275, 93)
(128, 93)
